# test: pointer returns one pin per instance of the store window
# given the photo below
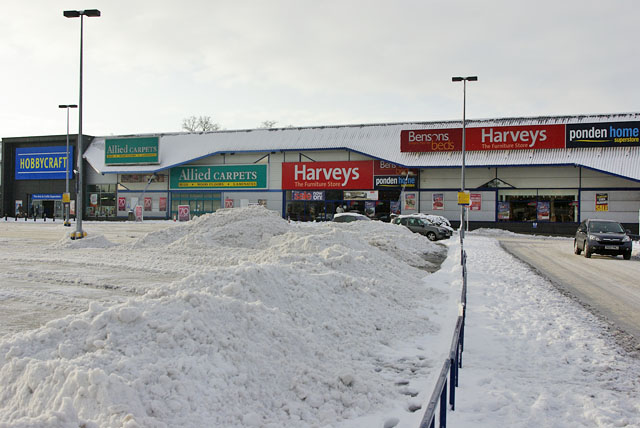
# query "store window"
(101, 200)
(321, 205)
(199, 202)
(550, 205)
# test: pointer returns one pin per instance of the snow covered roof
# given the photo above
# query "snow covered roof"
(382, 141)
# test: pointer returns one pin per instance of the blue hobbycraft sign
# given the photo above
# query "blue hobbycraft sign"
(43, 163)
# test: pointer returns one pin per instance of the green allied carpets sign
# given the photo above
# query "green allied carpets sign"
(131, 151)
(222, 177)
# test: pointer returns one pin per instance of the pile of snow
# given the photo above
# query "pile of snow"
(279, 325)
(91, 241)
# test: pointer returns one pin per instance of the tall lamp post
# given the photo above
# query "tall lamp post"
(66, 172)
(79, 194)
(464, 126)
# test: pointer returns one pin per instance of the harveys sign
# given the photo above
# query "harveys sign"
(484, 138)
(354, 175)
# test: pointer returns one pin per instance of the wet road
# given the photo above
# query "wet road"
(609, 286)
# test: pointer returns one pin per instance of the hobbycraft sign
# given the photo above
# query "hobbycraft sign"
(327, 175)
(43, 163)
(223, 177)
(131, 151)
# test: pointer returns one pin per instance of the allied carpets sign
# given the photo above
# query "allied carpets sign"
(43, 163)
(345, 175)
(612, 134)
(131, 151)
(218, 177)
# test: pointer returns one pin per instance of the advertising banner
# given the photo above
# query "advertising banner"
(303, 195)
(475, 202)
(228, 203)
(410, 201)
(43, 163)
(360, 195)
(464, 198)
(148, 203)
(138, 211)
(395, 207)
(484, 138)
(503, 210)
(93, 199)
(131, 151)
(222, 177)
(183, 213)
(437, 201)
(163, 204)
(602, 202)
(612, 134)
(516, 137)
(327, 175)
(122, 203)
(543, 210)
(431, 140)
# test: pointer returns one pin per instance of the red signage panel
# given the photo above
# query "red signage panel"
(356, 175)
(431, 140)
(484, 138)
(516, 137)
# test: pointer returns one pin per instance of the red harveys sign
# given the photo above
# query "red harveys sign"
(356, 175)
(485, 138)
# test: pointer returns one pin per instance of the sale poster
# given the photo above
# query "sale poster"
(163, 204)
(438, 201)
(475, 202)
(183, 213)
(122, 203)
(602, 202)
(410, 201)
(147, 203)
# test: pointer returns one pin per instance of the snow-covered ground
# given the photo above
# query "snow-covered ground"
(240, 319)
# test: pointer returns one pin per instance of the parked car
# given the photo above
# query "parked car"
(417, 224)
(348, 217)
(608, 237)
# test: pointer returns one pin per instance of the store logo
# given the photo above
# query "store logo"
(431, 140)
(613, 134)
(302, 172)
(526, 137)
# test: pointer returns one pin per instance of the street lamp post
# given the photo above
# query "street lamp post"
(66, 172)
(464, 126)
(79, 195)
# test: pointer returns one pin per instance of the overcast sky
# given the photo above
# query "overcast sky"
(149, 64)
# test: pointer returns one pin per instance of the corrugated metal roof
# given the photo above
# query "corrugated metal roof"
(382, 141)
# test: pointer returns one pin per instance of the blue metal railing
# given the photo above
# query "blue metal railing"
(451, 367)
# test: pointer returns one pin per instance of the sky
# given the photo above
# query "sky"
(150, 64)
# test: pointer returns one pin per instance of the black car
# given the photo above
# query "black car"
(606, 237)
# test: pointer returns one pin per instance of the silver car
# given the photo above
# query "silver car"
(418, 225)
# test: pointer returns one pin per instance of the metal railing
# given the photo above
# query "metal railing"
(450, 368)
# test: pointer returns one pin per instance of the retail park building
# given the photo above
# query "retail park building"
(540, 174)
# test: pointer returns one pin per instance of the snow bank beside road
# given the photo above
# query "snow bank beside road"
(279, 325)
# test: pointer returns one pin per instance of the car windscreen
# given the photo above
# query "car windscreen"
(605, 227)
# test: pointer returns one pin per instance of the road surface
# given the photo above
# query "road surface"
(609, 286)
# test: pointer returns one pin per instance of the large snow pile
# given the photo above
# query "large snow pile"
(279, 325)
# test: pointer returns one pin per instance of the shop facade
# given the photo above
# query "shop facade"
(527, 174)
(34, 175)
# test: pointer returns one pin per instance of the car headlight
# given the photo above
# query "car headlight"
(593, 238)
(626, 238)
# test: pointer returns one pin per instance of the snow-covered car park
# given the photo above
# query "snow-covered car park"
(242, 319)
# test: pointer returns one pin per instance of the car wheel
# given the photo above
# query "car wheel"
(576, 249)
(627, 255)
(587, 253)
(431, 236)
